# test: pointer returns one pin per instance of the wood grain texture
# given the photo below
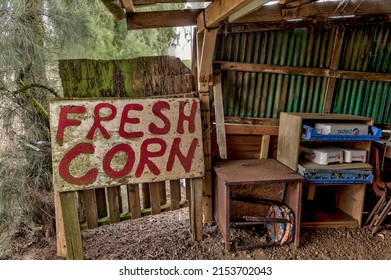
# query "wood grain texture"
(91, 209)
(100, 195)
(173, 18)
(113, 198)
(219, 116)
(154, 191)
(71, 226)
(99, 144)
(134, 200)
(175, 194)
(196, 208)
(60, 232)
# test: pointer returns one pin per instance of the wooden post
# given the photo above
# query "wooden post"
(134, 201)
(154, 190)
(335, 59)
(113, 201)
(91, 209)
(175, 193)
(163, 195)
(206, 42)
(146, 195)
(264, 146)
(60, 235)
(72, 232)
(100, 196)
(219, 114)
(196, 208)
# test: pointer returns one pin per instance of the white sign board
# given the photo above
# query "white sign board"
(111, 142)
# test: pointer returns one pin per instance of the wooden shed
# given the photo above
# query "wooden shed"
(253, 59)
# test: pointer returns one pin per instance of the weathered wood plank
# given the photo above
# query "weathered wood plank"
(71, 226)
(175, 193)
(289, 139)
(60, 232)
(154, 2)
(196, 208)
(113, 198)
(90, 208)
(335, 58)
(247, 9)
(134, 200)
(217, 11)
(163, 193)
(276, 69)
(101, 205)
(154, 190)
(264, 147)
(318, 10)
(219, 115)
(173, 18)
(245, 129)
(146, 195)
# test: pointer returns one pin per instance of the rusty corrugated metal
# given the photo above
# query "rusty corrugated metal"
(265, 95)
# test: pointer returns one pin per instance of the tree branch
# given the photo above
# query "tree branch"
(23, 89)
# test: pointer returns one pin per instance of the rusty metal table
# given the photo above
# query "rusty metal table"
(256, 173)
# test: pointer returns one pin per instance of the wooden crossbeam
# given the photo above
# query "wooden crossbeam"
(247, 9)
(305, 71)
(218, 11)
(155, 2)
(175, 18)
(332, 9)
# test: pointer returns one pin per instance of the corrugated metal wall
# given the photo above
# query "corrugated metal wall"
(264, 95)
(366, 49)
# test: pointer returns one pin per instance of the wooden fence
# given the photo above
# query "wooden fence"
(109, 205)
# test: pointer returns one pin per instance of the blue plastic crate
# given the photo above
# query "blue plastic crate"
(310, 134)
(335, 176)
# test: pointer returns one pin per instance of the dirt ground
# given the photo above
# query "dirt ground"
(167, 236)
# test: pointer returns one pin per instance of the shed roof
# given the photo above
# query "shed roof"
(233, 12)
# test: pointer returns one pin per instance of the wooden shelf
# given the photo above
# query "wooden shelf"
(347, 199)
(320, 218)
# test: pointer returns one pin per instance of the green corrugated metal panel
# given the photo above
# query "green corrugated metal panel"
(366, 49)
(266, 95)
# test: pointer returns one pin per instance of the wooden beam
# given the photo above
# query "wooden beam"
(219, 115)
(60, 231)
(71, 226)
(304, 71)
(247, 9)
(206, 42)
(115, 8)
(217, 12)
(264, 147)
(154, 2)
(335, 58)
(128, 5)
(196, 208)
(174, 18)
(246, 129)
(318, 10)
(276, 69)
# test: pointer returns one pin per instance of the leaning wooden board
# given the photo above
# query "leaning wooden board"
(111, 142)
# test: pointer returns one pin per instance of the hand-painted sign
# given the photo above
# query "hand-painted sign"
(112, 142)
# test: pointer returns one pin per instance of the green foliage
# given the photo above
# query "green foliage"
(34, 34)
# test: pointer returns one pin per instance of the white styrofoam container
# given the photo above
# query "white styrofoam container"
(323, 156)
(351, 155)
(341, 128)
